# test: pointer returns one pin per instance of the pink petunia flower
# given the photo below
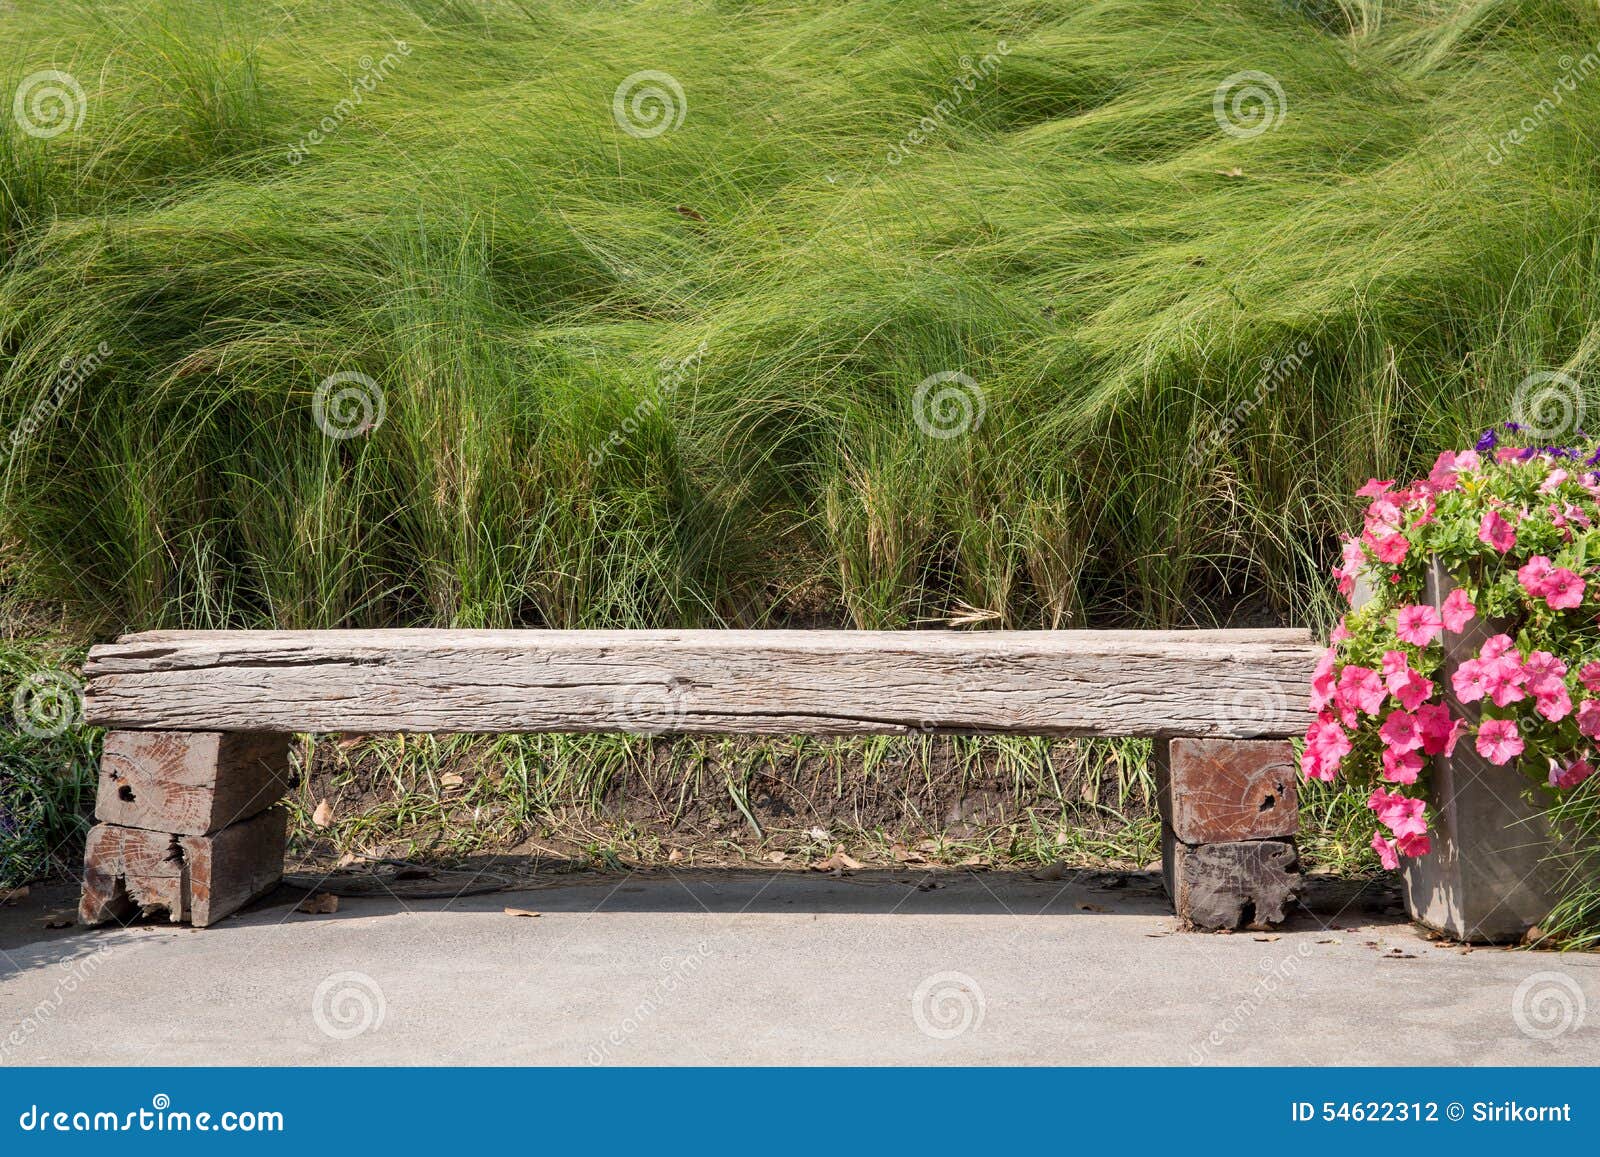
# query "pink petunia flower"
(1470, 680)
(1572, 775)
(1385, 850)
(1563, 590)
(1322, 681)
(1400, 732)
(1553, 480)
(1545, 672)
(1401, 766)
(1401, 814)
(1589, 718)
(1505, 679)
(1457, 610)
(1390, 549)
(1534, 574)
(1415, 845)
(1498, 741)
(1443, 475)
(1374, 488)
(1418, 625)
(1589, 676)
(1497, 532)
(1438, 730)
(1361, 688)
(1554, 705)
(1340, 632)
(1495, 646)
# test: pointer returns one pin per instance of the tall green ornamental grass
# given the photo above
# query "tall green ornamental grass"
(489, 313)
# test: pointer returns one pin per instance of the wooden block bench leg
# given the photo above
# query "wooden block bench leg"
(187, 825)
(1229, 812)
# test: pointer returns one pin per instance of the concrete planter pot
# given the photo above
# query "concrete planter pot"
(1495, 866)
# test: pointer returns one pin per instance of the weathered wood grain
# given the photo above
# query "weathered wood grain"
(190, 782)
(1232, 885)
(131, 871)
(1214, 791)
(1111, 683)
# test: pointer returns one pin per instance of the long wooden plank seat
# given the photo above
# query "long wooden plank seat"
(196, 753)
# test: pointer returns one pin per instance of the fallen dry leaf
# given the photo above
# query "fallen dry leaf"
(15, 895)
(1330, 940)
(323, 816)
(450, 780)
(521, 912)
(1266, 939)
(675, 856)
(319, 904)
(775, 857)
(1055, 871)
(59, 920)
(351, 739)
(838, 862)
(900, 854)
(818, 834)
(1234, 172)
(929, 846)
(976, 862)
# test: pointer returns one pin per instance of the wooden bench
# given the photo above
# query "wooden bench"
(196, 756)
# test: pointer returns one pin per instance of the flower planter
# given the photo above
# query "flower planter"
(1495, 866)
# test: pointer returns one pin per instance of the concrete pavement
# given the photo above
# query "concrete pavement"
(787, 968)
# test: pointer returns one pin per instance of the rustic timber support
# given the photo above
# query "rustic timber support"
(1229, 814)
(200, 723)
(187, 824)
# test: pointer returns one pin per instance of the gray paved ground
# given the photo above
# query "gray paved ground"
(784, 969)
